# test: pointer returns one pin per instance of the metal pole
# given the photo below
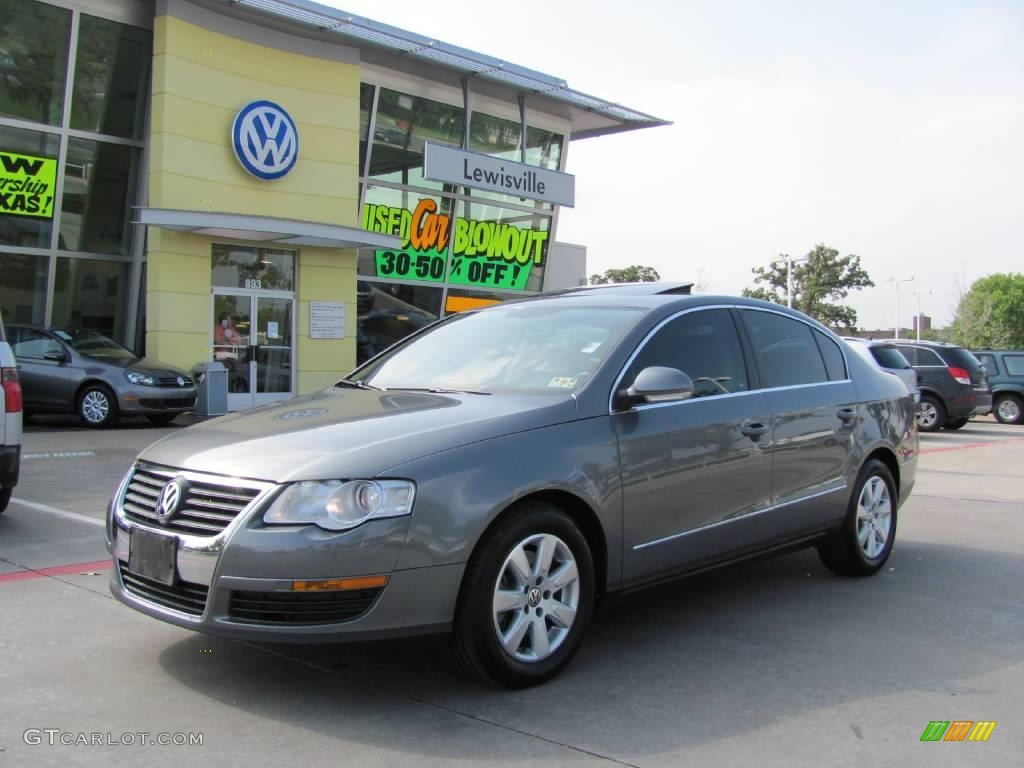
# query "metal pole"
(789, 281)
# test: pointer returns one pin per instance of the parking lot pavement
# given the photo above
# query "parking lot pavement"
(774, 664)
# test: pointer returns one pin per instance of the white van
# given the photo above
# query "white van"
(10, 421)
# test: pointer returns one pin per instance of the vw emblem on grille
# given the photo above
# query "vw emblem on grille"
(265, 140)
(170, 496)
(181, 381)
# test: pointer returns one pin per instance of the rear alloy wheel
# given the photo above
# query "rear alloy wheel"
(526, 598)
(869, 530)
(97, 406)
(931, 414)
(956, 424)
(1008, 409)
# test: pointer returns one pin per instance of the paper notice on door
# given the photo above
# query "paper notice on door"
(272, 330)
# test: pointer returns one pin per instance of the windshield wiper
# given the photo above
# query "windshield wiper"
(441, 390)
(355, 384)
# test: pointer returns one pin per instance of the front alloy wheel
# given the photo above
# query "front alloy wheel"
(536, 597)
(97, 407)
(526, 597)
(1008, 410)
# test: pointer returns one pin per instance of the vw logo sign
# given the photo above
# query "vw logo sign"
(181, 381)
(265, 140)
(170, 496)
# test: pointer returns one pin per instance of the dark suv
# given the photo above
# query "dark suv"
(1005, 371)
(954, 385)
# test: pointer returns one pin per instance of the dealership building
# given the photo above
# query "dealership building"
(274, 184)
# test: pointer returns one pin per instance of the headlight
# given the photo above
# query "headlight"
(339, 506)
(138, 377)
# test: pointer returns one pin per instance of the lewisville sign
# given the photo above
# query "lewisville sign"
(472, 169)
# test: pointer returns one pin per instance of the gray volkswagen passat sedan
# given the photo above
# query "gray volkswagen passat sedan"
(69, 370)
(497, 473)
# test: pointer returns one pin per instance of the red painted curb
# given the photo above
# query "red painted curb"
(56, 570)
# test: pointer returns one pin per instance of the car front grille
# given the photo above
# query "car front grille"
(207, 506)
(172, 381)
(300, 607)
(184, 596)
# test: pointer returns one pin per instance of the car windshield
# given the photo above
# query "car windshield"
(93, 344)
(522, 347)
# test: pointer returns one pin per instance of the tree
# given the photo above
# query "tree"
(991, 314)
(819, 283)
(633, 274)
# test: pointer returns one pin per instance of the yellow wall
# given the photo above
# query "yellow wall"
(201, 79)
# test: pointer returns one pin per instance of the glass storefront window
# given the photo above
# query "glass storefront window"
(91, 295)
(499, 248)
(240, 266)
(388, 312)
(404, 123)
(18, 226)
(34, 41)
(494, 136)
(23, 288)
(100, 183)
(543, 148)
(111, 69)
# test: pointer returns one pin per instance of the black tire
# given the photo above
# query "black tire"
(843, 553)
(925, 421)
(475, 643)
(97, 406)
(161, 419)
(954, 425)
(1008, 409)
(5, 498)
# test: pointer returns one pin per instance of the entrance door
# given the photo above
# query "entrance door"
(253, 336)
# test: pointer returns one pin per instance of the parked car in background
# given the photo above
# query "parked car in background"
(885, 355)
(953, 384)
(494, 474)
(10, 421)
(67, 370)
(1005, 369)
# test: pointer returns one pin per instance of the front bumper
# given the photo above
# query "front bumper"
(239, 583)
(142, 400)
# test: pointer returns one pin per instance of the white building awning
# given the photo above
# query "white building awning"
(264, 229)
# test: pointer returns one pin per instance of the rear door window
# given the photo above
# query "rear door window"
(1014, 364)
(989, 361)
(785, 349)
(835, 363)
(889, 357)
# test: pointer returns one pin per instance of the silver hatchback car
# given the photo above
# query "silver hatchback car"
(497, 473)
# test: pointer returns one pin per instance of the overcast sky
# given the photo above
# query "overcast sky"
(892, 130)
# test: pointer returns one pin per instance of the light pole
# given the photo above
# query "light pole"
(897, 281)
(789, 275)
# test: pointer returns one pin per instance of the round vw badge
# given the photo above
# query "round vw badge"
(181, 381)
(265, 140)
(169, 498)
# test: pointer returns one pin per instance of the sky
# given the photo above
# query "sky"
(890, 130)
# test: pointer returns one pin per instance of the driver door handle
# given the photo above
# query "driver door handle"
(754, 430)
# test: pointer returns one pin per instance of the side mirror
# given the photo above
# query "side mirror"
(658, 384)
(55, 356)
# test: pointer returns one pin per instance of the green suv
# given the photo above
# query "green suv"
(1006, 376)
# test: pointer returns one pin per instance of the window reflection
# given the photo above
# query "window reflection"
(91, 295)
(111, 68)
(34, 41)
(388, 312)
(23, 288)
(100, 182)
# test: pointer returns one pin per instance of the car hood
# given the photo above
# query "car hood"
(342, 433)
(143, 364)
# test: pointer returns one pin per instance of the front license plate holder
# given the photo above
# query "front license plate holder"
(153, 556)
